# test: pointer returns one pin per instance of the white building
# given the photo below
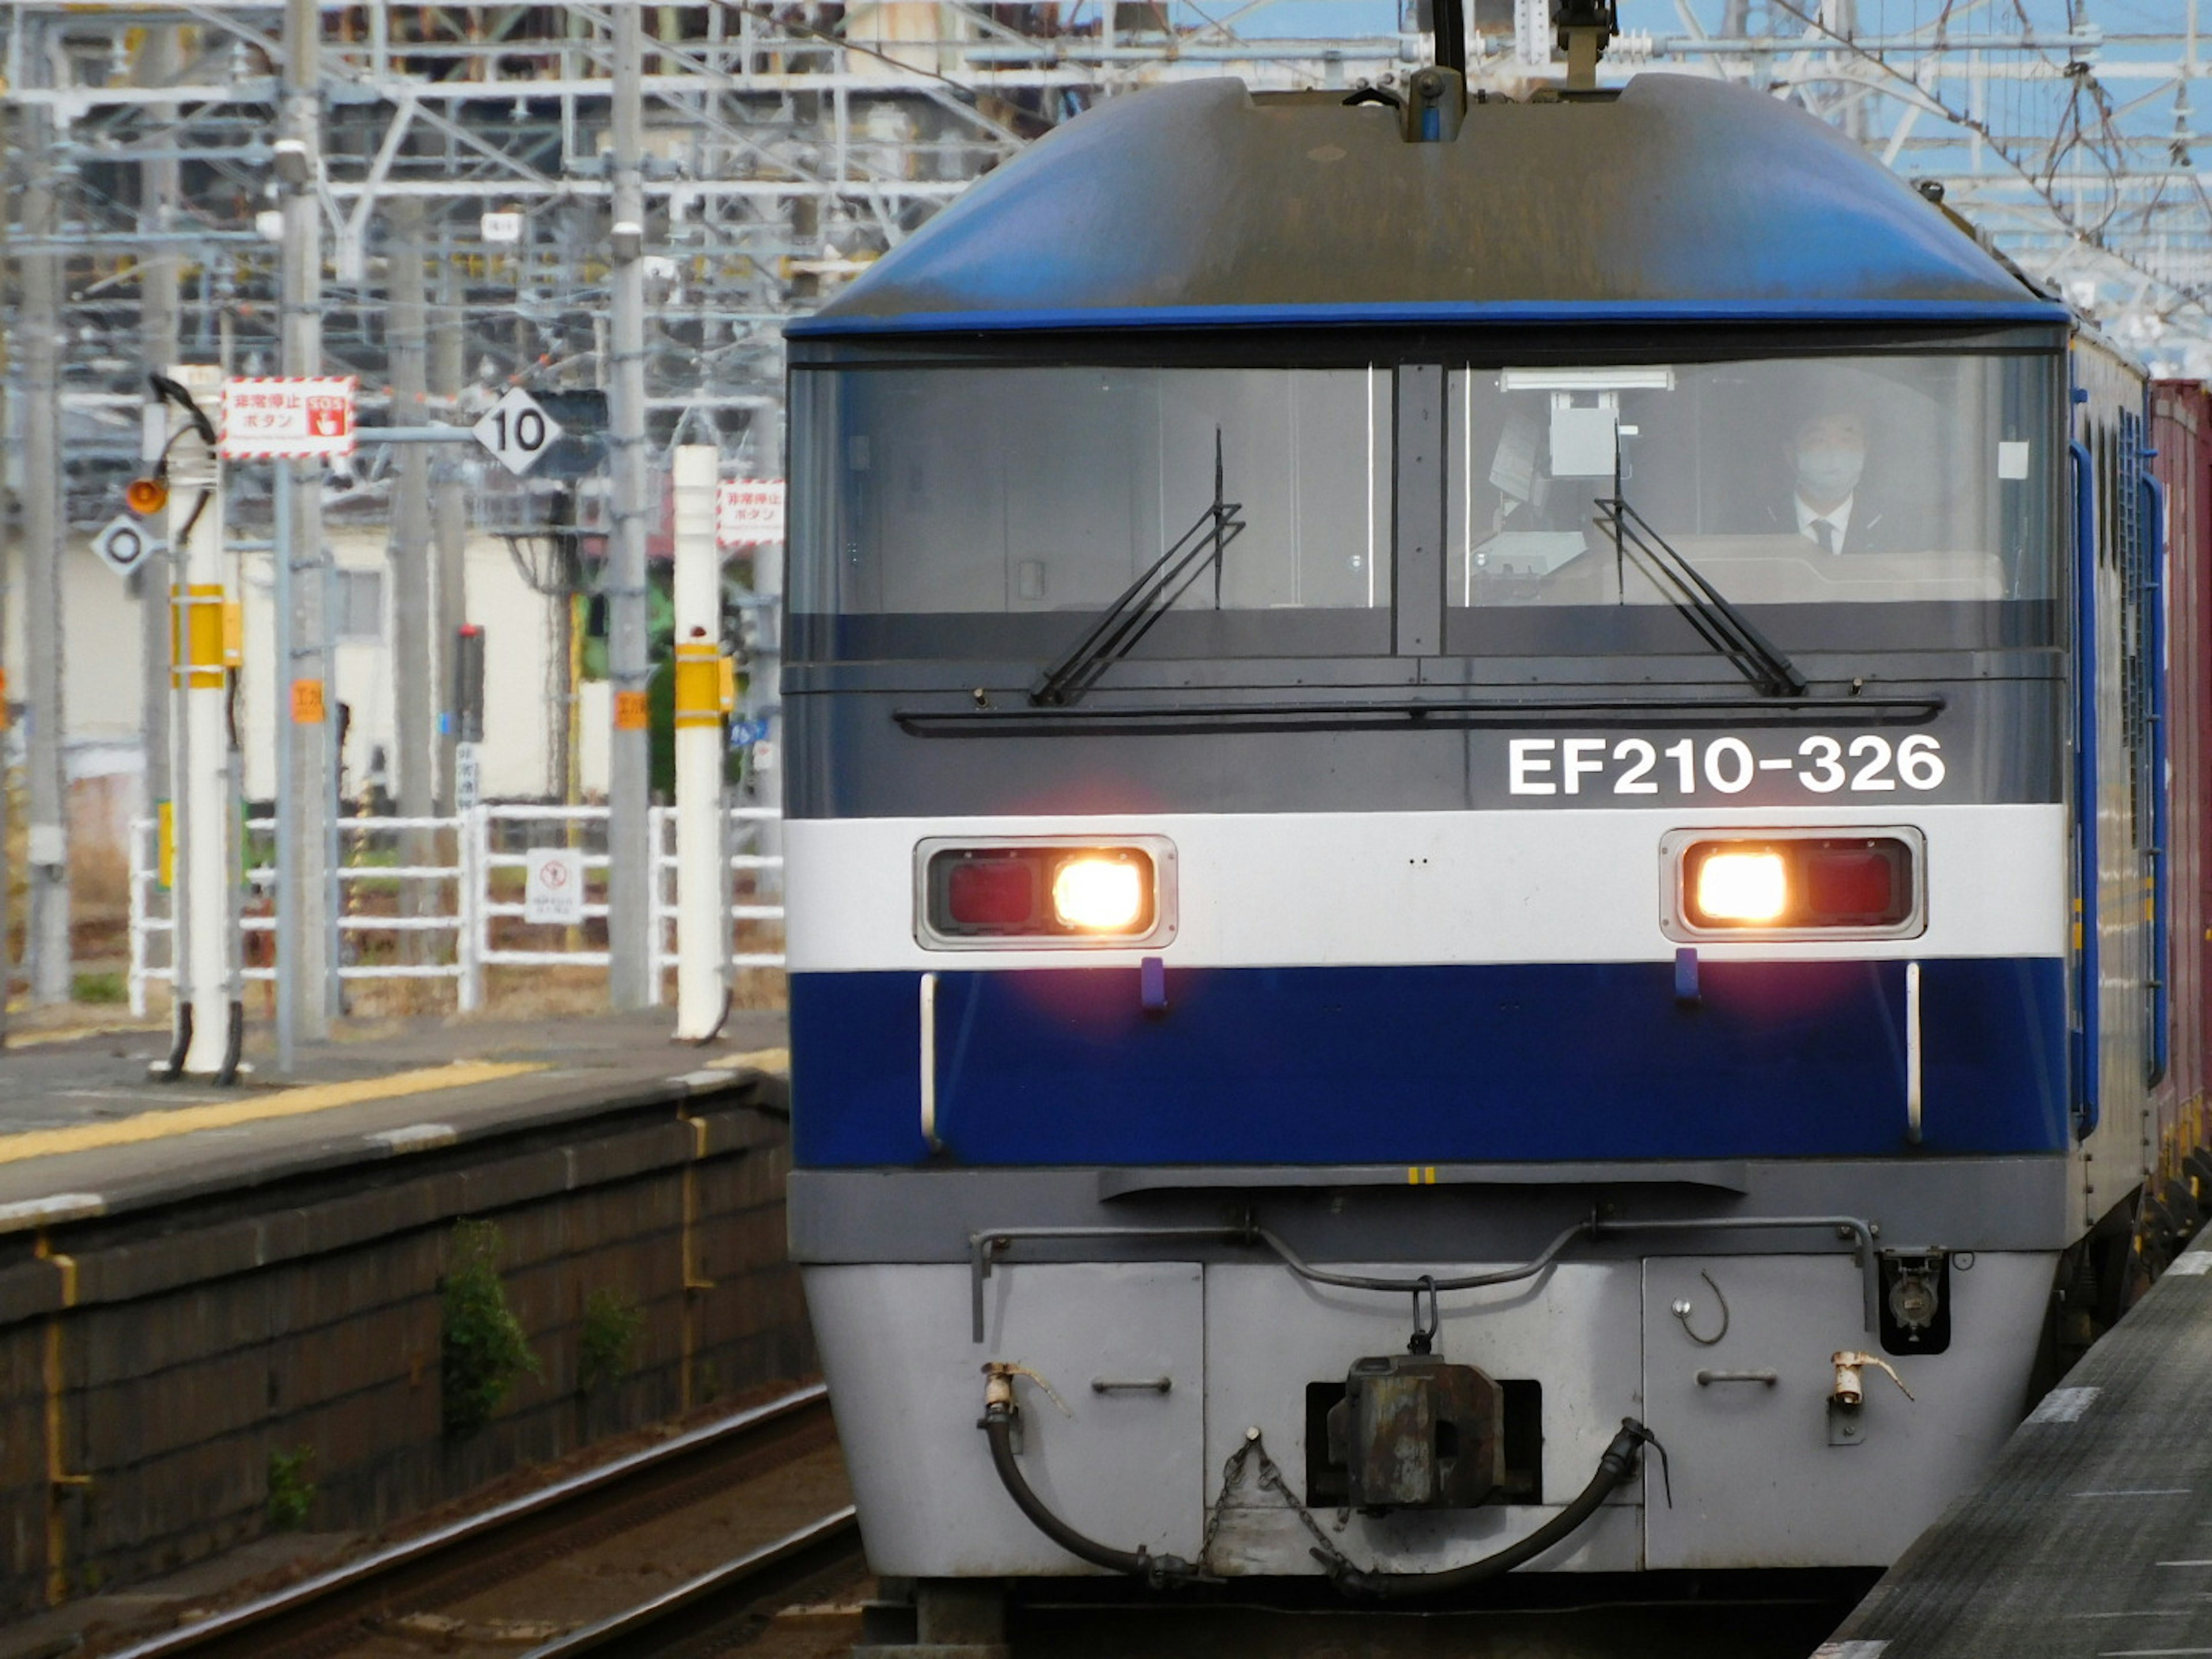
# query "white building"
(524, 673)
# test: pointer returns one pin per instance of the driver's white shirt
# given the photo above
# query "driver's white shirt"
(1838, 522)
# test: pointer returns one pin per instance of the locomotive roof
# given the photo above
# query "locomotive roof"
(1682, 199)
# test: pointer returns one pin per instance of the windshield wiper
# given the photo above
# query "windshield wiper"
(1118, 628)
(1704, 607)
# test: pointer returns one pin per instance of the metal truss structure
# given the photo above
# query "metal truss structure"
(787, 147)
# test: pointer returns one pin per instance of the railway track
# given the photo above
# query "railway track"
(358, 1606)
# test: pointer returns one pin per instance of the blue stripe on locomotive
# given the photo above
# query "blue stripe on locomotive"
(1423, 1064)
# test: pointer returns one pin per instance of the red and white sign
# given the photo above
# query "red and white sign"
(748, 510)
(553, 886)
(298, 419)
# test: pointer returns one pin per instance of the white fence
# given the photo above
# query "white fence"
(453, 908)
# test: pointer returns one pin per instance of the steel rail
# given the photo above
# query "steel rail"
(245, 1628)
(645, 1628)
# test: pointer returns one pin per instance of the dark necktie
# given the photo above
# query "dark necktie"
(1826, 532)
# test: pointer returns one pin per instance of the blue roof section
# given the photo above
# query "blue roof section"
(1683, 199)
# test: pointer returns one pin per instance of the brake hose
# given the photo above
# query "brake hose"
(1613, 1469)
(999, 1424)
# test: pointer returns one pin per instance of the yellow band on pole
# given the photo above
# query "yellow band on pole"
(698, 685)
(199, 636)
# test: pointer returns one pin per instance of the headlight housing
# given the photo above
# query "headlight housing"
(1049, 892)
(1794, 884)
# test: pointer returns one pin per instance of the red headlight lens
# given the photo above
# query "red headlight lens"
(1867, 886)
(991, 893)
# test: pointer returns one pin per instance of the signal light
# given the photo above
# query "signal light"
(1796, 884)
(145, 496)
(1044, 893)
(1741, 887)
(1102, 894)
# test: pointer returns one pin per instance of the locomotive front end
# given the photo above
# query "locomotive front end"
(1429, 843)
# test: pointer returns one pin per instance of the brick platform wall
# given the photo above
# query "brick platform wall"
(191, 1345)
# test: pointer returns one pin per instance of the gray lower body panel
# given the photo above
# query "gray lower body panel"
(1756, 1480)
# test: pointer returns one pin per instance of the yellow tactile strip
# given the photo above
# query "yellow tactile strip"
(255, 1108)
(776, 1061)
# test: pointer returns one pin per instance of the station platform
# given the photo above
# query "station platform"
(2093, 1538)
(85, 1130)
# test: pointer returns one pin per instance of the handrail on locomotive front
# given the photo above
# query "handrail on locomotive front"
(990, 1245)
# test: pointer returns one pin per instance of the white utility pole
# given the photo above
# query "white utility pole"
(629, 858)
(703, 918)
(46, 925)
(306, 782)
(204, 821)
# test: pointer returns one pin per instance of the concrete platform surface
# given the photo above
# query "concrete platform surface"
(2093, 1539)
(85, 1130)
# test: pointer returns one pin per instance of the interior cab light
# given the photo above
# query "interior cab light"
(1750, 886)
(1099, 893)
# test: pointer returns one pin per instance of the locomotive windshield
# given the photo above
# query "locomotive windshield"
(999, 503)
(984, 511)
(1818, 482)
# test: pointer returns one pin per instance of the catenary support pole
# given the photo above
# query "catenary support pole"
(449, 474)
(629, 884)
(702, 920)
(46, 922)
(306, 814)
(764, 663)
(11, 534)
(414, 745)
(205, 820)
(159, 59)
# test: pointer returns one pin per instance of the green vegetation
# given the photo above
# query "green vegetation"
(291, 1494)
(607, 1350)
(99, 988)
(481, 1347)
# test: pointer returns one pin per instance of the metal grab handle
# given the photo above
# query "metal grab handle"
(929, 1062)
(1131, 1385)
(1912, 1053)
(1706, 1379)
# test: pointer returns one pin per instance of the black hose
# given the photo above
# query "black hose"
(1613, 1469)
(720, 1020)
(1156, 1570)
(180, 1044)
(234, 1045)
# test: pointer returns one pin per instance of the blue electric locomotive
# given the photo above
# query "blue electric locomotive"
(1443, 754)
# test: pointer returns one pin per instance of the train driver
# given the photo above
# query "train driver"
(1828, 506)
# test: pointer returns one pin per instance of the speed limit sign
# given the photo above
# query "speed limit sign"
(518, 431)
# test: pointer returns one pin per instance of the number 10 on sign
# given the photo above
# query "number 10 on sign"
(517, 431)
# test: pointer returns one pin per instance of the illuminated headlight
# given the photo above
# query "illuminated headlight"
(1102, 893)
(1795, 884)
(1044, 892)
(1741, 887)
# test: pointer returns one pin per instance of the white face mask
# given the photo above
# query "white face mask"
(1829, 474)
